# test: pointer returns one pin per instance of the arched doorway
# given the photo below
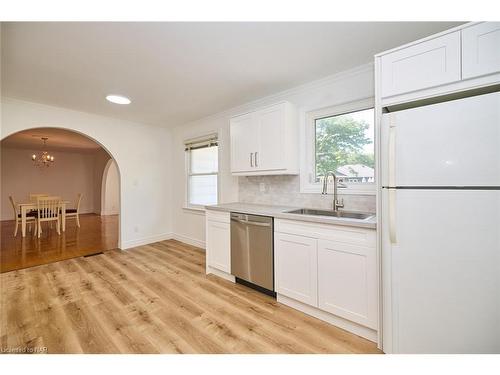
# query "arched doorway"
(78, 168)
(110, 199)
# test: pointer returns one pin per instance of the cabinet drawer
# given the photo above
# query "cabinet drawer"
(428, 64)
(220, 216)
(481, 50)
(340, 233)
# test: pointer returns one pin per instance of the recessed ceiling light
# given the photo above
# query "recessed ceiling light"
(118, 99)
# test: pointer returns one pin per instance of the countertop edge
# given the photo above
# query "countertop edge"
(279, 214)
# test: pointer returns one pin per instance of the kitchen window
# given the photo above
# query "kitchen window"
(202, 168)
(340, 139)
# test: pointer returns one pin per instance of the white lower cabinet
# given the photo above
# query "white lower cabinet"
(328, 271)
(296, 267)
(218, 241)
(347, 281)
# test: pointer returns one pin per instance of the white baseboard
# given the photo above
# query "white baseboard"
(216, 272)
(146, 240)
(163, 237)
(335, 320)
(188, 240)
(107, 213)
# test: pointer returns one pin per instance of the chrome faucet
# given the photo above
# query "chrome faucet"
(336, 203)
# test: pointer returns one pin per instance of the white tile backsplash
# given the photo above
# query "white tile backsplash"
(285, 191)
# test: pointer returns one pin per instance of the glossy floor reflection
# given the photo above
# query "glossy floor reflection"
(154, 298)
(96, 233)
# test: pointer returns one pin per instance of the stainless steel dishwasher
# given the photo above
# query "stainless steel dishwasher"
(252, 256)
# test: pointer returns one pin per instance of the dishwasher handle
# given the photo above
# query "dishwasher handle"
(248, 222)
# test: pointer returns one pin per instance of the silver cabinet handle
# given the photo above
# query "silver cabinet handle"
(251, 159)
(256, 159)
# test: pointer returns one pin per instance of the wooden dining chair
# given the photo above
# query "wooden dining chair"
(48, 210)
(33, 197)
(30, 216)
(74, 213)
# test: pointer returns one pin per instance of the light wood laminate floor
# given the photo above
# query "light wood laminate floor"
(96, 233)
(153, 299)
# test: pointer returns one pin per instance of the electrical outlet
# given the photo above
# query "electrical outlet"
(136, 229)
(262, 187)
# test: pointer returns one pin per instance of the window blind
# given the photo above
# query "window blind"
(202, 170)
(207, 141)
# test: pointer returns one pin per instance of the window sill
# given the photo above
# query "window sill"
(198, 210)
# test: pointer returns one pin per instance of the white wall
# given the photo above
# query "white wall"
(352, 85)
(151, 159)
(110, 193)
(100, 161)
(189, 225)
(141, 152)
(72, 173)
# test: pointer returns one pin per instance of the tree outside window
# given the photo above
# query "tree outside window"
(344, 145)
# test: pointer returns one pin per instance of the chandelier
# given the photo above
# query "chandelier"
(43, 159)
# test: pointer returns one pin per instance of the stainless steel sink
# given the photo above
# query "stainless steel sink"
(339, 214)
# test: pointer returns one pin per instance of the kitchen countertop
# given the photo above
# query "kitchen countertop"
(280, 212)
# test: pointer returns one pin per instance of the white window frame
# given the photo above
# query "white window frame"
(188, 174)
(308, 164)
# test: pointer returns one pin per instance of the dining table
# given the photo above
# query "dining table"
(27, 207)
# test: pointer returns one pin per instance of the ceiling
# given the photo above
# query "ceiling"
(59, 140)
(178, 72)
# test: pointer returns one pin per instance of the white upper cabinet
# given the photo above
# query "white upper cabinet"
(271, 125)
(265, 141)
(481, 50)
(242, 153)
(427, 64)
(465, 58)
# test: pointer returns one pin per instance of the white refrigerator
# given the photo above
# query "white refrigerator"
(440, 169)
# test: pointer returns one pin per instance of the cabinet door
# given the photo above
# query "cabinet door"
(481, 49)
(271, 123)
(244, 142)
(427, 64)
(219, 245)
(347, 282)
(441, 271)
(439, 134)
(296, 267)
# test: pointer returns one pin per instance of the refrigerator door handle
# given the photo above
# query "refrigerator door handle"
(392, 216)
(392, 151)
